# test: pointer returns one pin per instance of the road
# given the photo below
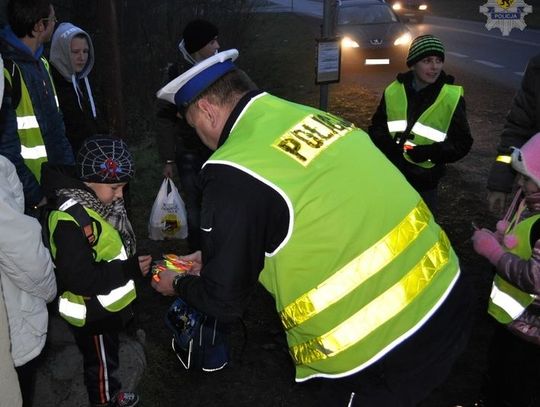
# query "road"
(470, 47)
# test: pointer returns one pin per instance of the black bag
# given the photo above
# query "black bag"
(198, 339)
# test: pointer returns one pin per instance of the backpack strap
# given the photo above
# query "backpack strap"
(77, 212)
(12, 73)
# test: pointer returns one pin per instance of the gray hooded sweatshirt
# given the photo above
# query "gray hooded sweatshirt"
(60, 58)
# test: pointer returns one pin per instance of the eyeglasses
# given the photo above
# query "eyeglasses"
(53, 19)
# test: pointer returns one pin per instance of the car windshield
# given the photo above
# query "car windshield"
(366, 14)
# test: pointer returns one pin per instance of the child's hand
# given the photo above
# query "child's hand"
(144, 263)
(485, 243)
(196, 260)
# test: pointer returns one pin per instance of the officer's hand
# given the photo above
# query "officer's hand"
(164, 285)
(144, 263)
(419, 154)
(496, 202)
(168, 170)
(196, 259)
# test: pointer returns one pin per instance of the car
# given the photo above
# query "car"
(372, 30)
(410, 9)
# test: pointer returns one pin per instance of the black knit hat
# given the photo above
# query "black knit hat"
(104, 160)
(424, 46)
(197, 34)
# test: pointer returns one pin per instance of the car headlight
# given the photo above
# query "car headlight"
(396, 6)
(422, 7)
(403, 39)
(346, 42)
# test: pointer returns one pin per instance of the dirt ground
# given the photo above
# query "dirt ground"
(260, 372)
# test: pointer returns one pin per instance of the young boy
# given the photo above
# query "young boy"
(514, 250)
(93, 246)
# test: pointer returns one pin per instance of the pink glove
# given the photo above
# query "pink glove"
(485, 243)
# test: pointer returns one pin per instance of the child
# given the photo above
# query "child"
(96, 265)
(514, 250)
(421, 122)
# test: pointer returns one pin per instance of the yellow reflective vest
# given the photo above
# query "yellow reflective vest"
(33, 149)
(506, 301)
(432, 125)
(362, 267)
(108, 247)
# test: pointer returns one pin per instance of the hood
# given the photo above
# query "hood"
(11, 190)
(61, 50)
(13, 48)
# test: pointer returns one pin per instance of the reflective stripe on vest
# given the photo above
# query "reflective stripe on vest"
(356, 274)
(109, 247)
(33, 149)
(432, 125)
(507, 302)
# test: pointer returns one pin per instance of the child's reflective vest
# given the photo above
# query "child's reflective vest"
(506, 301)
(432, 125)
(33, 149)
(108, 246)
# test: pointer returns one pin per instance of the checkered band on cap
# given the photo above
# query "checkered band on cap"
(424, 46)
(105, 160)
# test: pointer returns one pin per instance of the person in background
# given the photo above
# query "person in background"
(367, 285)
(28, 280)
(178, 143)
(32, 129)
(522, 122)
(514, 249)
(9, 384)
(95, 269)
(421, 122)
(72, 60)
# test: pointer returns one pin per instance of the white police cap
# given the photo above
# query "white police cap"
(186, 87)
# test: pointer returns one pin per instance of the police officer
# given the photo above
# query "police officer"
(367, 285)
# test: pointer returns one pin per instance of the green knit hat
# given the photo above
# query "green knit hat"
(424, 46)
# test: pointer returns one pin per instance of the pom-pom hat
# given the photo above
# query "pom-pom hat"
(186, 87)
(104, 160)
(527, 159)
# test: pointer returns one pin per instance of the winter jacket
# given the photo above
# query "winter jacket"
(525, 275)
(26, 270)
(37, 80)
(457, 144)
(76, 268)
(175, 137)
(522, 122)
(81, 116)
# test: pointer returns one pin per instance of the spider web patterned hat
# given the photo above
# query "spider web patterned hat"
(105, 160)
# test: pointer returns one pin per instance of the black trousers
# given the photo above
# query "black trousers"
(513, 371)
(407, 374)
(100, 360)
(27, 380)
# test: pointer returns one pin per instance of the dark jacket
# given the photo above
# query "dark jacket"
(175, 137)
(457, 144)
(80, 123)
(37, 80)
(76, 269)
(522, 122)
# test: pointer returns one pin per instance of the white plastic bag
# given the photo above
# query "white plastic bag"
(168, 219)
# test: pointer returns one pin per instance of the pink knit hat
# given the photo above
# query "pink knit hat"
(527, 159)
